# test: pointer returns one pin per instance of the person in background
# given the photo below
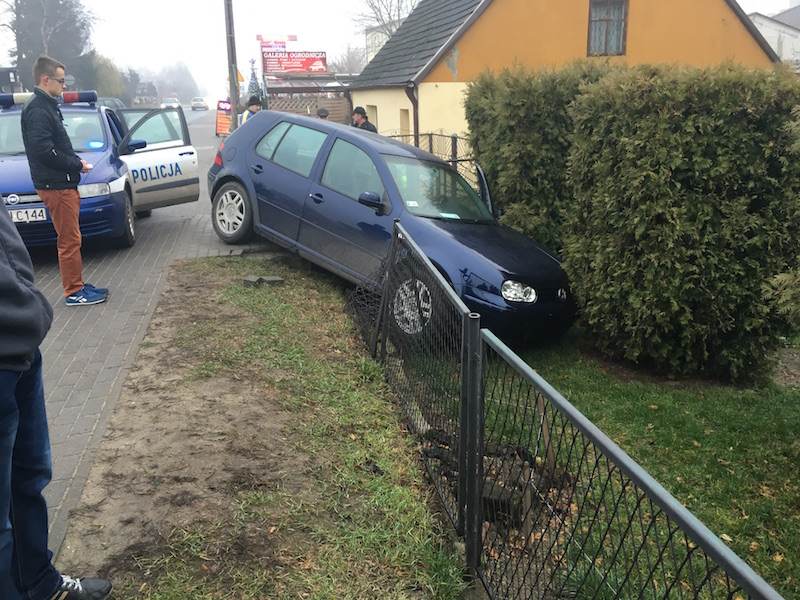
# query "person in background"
(56, 173)
(253, 107)
(361, 120)
(323, 114)
(26, 568)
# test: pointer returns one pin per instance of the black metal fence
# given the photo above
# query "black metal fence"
(549, 507)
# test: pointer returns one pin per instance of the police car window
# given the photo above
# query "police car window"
(266, 147)
(85, 131)
(133, 116)
(11, 134)
(299, 149)
(159, 129)
(351, 172)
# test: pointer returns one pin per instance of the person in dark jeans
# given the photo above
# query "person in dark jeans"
(26, 569)
(361, 120)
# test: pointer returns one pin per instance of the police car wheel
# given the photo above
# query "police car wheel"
(128, 238)
(231, 214)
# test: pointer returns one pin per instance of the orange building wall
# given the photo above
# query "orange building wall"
(552, 33)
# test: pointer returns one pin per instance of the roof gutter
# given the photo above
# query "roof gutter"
(451, 41)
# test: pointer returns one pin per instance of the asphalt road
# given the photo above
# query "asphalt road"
(89, 350)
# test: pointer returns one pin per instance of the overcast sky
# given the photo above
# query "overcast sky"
(149, 34)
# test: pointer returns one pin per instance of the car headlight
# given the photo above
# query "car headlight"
(94, 189)
(514, 291)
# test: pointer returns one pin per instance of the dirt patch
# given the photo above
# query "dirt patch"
(178, 447)
(787, 372)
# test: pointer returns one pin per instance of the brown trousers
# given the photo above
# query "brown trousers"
(64, 207)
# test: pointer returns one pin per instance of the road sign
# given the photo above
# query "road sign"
(69, 80)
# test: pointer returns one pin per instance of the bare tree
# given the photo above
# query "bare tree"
(351, 61)
(385, 15)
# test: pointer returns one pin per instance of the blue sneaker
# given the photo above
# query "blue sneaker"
(85, 297)
(96, 289)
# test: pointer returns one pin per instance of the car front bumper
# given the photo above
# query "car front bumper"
(100, 216)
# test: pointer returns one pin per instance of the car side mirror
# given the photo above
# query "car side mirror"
(133, 146)
(371, 200)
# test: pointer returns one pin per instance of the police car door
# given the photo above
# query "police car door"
(161, 161)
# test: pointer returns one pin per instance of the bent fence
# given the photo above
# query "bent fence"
(548, 506)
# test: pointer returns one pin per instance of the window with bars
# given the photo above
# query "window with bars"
(607, 27)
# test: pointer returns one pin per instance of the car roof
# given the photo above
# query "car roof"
(72, 107)
(380, 144)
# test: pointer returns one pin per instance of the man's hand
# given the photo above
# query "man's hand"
(85, 166)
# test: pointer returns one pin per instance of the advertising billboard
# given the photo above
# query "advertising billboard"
(281, 61)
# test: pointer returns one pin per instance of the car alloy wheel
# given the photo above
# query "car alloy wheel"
(412, 306)
(230, 212)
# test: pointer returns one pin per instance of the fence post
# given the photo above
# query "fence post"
(430, 143)
(454, 149)
(472, 439)
(381, 320)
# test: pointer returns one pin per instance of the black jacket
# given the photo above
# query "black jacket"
(367, 126)
(25, 315)
(54, 164)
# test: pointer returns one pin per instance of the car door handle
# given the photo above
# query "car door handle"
(190, 153)
(258, 169)
(318, 198)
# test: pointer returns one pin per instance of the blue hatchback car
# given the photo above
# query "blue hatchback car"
(142, 159)
(331, 193)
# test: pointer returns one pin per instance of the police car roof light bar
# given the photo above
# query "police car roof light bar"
(9, 100)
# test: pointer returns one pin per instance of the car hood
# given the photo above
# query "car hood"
(489, 247)
(15, 174)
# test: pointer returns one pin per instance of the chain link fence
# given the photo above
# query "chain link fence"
(548, 506)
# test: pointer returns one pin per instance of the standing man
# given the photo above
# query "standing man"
(56, 172)
(361, 120)
(253, 107)
(26, 569)
(323, 113)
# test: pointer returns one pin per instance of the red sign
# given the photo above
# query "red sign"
(276, 61)
(223, 125)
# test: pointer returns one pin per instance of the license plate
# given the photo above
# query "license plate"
(28, 215)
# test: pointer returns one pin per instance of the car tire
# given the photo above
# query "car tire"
(128, 238)
(143, 214)
(232, 214)
(413, 312)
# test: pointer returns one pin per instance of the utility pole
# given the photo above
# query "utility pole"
(233, 71)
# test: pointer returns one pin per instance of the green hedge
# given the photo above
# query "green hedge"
(686, 207)
(521, 134)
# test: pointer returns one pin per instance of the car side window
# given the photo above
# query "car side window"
(351, 172)
(163, 128)
(299, 148)
(266, 147)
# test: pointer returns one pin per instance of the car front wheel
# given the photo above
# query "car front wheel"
(231, 214)
(128, 237)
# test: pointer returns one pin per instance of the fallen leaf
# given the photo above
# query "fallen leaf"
(653, 407)
(754, 546)
(697, 444)
(726, 538)
(272, 530)
(778, 558)
(353, 436)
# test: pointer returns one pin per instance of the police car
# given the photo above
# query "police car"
(142, 159)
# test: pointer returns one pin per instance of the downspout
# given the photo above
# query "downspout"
(412, 93)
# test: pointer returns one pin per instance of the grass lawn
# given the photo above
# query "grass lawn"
(363, 526)
(731, 455)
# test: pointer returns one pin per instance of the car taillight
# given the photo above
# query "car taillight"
(218, 157)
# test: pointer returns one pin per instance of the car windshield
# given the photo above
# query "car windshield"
(197, 100)
(170, 100)
(84, 129)
(436, 191)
